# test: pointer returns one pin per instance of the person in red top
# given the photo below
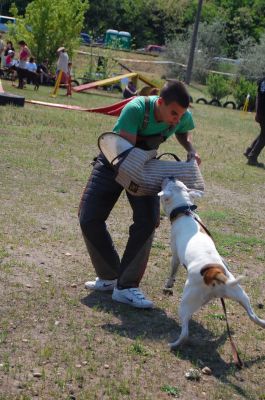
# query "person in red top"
(24, 54)
(10, 58)
(23, 58)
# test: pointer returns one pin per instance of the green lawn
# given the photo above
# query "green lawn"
(59, 342)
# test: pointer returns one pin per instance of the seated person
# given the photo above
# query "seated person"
(31, 65)
(45, 74)
(130, 90)
(9, 46)
(9, 60)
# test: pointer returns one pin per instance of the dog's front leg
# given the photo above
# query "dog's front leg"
(171, 279)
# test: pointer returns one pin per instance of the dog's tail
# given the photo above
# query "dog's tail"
(215, 274)
(234, 281)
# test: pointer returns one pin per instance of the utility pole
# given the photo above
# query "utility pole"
(193, 43)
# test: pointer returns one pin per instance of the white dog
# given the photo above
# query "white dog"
(208, 276)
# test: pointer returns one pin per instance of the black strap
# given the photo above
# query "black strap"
(170, 154)
(146, 113)
(203, 226)
(120, 157)
(162, 134)
(181, 210)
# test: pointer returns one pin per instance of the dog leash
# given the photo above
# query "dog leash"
(237, 360)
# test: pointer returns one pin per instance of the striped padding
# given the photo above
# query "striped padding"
(142, 175)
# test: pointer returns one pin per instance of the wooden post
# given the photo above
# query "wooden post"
(57, 83)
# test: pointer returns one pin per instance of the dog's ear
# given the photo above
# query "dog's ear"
(166, 194)
(195, 193)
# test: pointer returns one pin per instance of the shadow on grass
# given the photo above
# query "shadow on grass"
(155, 324)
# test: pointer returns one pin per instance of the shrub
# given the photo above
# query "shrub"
(242, 88)
(217, 86)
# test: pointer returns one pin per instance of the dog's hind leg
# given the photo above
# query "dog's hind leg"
(171, 279)
(190, 303)
(238, 294)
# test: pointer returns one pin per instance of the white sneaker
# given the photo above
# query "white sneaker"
(102, 285)
(132, 296)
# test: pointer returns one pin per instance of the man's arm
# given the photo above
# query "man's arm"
(185, 141)
(128, 136)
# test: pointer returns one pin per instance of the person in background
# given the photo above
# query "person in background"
(45, 74)
(9, 61)
(2, 48)
(70, 69)
(24, 54)
(154, 91)
(130, 90)
(254, 150)
(70, 77)
(31, 65)
(9, 46)
(62, 64)
(145, 122)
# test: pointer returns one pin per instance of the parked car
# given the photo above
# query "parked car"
(154, 48)
(227, 60)
(99, 41)
(85, 38)
(4, 21)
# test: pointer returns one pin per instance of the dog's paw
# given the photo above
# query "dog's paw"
(178, 343)
(168, 291)
(172, 346)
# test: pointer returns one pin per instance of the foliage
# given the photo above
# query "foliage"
(217, 86)
(100, 67)
(210, 43)
(20, 5)
(157, 21)
(48, 25)
(242, 88)
(171, 390)
(252, 55)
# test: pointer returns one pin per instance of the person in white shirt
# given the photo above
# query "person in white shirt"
(62, 64)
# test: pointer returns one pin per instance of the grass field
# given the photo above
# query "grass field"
(59, 342)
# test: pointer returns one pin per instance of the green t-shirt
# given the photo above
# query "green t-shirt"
(132, 116)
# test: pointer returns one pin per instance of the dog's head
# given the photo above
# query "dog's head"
(175, 194)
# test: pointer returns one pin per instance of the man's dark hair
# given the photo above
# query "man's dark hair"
(175, 91)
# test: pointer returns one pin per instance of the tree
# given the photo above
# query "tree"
(20, 5)
(251, 55)
(49, 24)
(211, 42)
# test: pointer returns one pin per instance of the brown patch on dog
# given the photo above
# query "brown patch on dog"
(213, 273)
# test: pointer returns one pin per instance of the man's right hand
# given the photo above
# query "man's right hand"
(193, 154)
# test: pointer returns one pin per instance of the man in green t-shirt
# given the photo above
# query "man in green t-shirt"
(145, 122)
